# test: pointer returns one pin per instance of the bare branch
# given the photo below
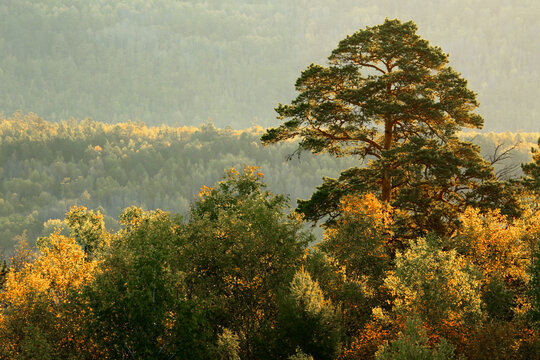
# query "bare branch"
(500, 154)
(507, 172)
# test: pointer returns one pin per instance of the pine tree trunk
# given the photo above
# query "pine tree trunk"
(386, 186)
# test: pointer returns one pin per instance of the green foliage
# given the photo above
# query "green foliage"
(184, 62)
(500, 247)
(534, 292)
(300, 355)
(412, 344)
(30, 331)
(361, 240)
(496, 339)
(47, 168)
(390, 97)
(229, 283)
(532, 171)
(306, 293)
(35, 346)
(307, 322)
(228, 345)
(239, 250)
(338, 106)
(359, 252)
(4, 268)
(87, 227)
(139, 309)
(435, 284)
(497, 299)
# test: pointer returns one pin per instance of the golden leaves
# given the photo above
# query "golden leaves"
(62, 266)
(364, 230)
(495, 243)
(367, 208)
(252, 172)
(37, 296)
(205, 191)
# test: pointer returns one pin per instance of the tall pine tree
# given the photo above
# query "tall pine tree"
(389, 98)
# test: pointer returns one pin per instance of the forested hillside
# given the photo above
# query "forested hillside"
(122, 242)
(183, 62)
(46, 167)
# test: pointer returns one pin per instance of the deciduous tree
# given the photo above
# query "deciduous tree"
(240, 250)
(359, 246)
(37, 317)
(438, 286)
(139, 306)
(307, 321)
(412, 344)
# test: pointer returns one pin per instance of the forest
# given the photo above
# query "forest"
(135, 241)
(181, 62)
(48, 167)
(238, 279)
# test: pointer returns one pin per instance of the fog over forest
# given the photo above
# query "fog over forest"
(185, 62)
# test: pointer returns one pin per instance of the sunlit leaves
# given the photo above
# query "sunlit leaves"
(384, 88)
(502, 249)
(356, 254)
(412, 344)
(139, 299)
(36, 300)
(437, 285)
(239, 249)
(307, 321)
(361, 241)
(88, 228)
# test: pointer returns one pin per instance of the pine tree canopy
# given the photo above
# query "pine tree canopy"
(387, 96)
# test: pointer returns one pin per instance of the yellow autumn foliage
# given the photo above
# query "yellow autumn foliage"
(41, 289)
(358, 248)
(498, 245)
(62, 266)
(362, 237)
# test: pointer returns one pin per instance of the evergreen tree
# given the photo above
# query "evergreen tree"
(389, 97)
(532, 171)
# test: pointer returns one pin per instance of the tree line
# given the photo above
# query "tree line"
(47, 167)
